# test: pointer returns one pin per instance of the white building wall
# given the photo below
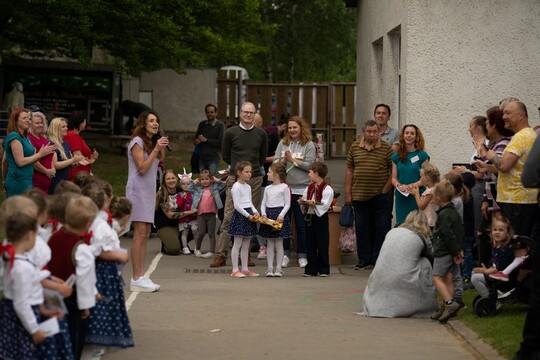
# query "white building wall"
(179, 99)
(457, 59)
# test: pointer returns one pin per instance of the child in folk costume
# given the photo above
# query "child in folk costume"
(275, 205)
(120, 209)
(40, 255)
(316, 201)
(184, 200)
(109, 323)
(242, 225)
(21, 309)
(72, 254)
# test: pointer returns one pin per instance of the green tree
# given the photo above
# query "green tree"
(140, 35)
(308, 41)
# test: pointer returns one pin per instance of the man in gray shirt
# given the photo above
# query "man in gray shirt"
(388, 134)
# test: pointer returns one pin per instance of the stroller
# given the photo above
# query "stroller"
(519, 285)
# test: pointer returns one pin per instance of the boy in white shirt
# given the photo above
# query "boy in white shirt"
(316, 201)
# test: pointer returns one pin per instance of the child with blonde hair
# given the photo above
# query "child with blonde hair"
(72, 254)
(448, 238)
(501, 255)
(109, 323)
(430, 176)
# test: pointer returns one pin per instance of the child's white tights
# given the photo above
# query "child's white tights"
(277, 244)
(184, 233)
(243, 243)
(518, 260)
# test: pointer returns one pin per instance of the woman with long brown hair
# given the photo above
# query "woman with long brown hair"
(297, 152)
(407, 162)
(143, 159)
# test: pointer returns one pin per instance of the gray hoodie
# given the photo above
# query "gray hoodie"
(297, 176)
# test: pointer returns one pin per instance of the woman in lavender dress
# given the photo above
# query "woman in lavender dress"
(143, 159)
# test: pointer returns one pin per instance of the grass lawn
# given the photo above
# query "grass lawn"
(113, 167)
(502, 331)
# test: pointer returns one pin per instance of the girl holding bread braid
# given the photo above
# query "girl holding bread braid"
(275, 205)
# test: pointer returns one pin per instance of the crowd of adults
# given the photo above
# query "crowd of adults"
(383, 169)
(41, 155)
(401, 283)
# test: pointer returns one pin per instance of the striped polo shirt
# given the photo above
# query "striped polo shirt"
(371, 168)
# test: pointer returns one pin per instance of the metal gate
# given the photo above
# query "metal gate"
(328, 107)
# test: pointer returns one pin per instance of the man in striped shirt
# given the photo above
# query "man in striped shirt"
(368, 185)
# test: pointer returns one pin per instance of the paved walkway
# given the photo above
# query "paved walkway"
(202, 313)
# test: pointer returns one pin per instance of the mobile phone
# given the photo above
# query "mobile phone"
(468, 166)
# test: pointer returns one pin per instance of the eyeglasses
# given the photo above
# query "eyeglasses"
(249, 113)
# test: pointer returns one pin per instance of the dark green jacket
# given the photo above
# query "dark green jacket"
(449, 233)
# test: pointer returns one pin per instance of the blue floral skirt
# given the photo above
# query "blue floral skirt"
(109, 323)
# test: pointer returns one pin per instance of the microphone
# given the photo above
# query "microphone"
(162, 133)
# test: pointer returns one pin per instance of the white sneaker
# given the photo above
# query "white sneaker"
(208, 255)
(302, 262)
(186, 251)
(198, 253)
(143, 284)
(285, 261)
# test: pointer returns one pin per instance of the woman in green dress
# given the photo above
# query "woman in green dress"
(407, 162)
(20, 154)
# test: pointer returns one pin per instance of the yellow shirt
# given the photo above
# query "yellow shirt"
(509, 186)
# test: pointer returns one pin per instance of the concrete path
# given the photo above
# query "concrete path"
(203, 313)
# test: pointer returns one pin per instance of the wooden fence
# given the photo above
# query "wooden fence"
(328, 107)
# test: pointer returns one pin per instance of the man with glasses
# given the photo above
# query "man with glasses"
(244, 142)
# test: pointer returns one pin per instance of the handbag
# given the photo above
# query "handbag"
(347, 240)
(346, 218)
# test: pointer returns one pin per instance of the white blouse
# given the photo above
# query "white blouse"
(276, 196)
(19, 282)
(241, 195)
(104, 238)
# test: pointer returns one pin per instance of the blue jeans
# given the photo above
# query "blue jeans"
(467, 265)
(300, 229)
(211, 165)
(371, 220)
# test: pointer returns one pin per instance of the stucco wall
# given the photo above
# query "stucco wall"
(179, 99)
(458, 58)
(376, 70)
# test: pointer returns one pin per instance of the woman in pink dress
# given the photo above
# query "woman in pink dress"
(76, 124)
(143, 158)
(44, 171)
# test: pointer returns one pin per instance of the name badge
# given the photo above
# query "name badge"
(415, 158)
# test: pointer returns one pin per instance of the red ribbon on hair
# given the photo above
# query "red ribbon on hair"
(109, 217)
(86, 236)
(54, 223)
(10, 250)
